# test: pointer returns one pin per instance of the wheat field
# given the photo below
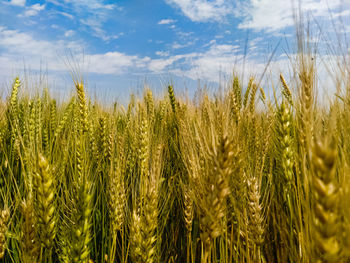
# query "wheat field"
(234, 176)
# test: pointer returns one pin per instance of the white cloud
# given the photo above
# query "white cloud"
(178, 46)
(208, 65)
(18, 2)
(69, 33)
(205, 65)
(71, 17)
(91, 4)
(33, 10)
(255, 42)
(219, 36)
(342, 13)
(37, 7)
(163, 53)
(204, 10)
(211, 42)
(218, 60)
(184, 34)
(166, 21)
(111, 62)
(96, 25)
(161, 65)
(55, 2)
(271, 15)
(92, 14)
(18, 47)
(158, 65)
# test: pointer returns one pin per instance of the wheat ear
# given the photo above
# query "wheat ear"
(29, 243)
(4, 218)
(255, 218)
(326, 202)
(45, 202)
(83, 110)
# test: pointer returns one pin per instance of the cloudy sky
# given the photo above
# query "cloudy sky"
(119, 45)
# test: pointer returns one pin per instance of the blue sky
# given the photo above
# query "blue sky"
(120, 45)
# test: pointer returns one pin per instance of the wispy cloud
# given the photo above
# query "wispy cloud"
(160, 65)
(92, 4)
(214, 59)
(176, 45)
(18, 46)
(65, 14)
(271, 15)
(162, 53)
(18, 2)
(209, 64)
(96, 26)
(69, 33)
(218, 60)
(166, 21)
(115, 63)
(204, 10)
(33, 10)
(93, 14)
